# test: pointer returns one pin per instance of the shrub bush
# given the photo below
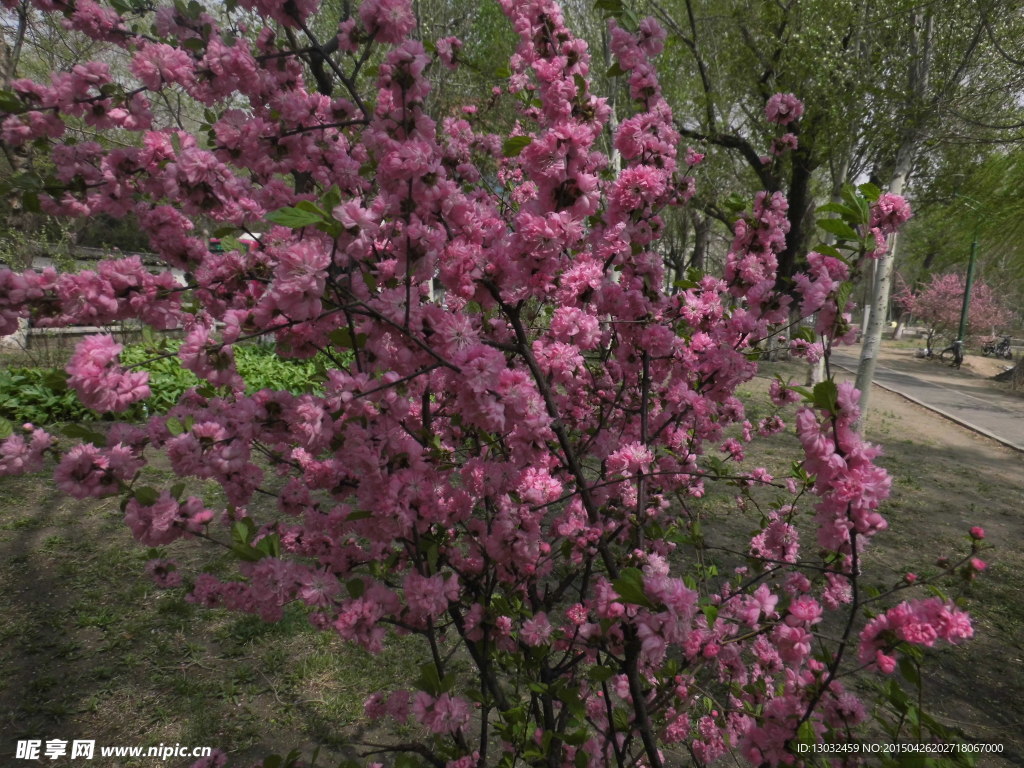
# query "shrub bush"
(41, 395)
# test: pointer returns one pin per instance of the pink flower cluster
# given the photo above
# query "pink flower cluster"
(23, 453)
(889, 213)
(817, 287)
(166, 519)
(101, 384)
(921, 622)
(783, 108)
(850, 487)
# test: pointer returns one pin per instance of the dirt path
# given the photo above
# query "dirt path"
(947, 479)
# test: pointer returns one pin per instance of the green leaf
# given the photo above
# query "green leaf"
(630, 588)
(848, 213)
(576, 739)
(830, 250)
(621, 719)
(514, 145)
(146, 495)
(243, 530)
(711, 612)
(356, 588)
(30, 202)
(6, 428)
(805, 733)
(600, 674)
(615, 70)
(802, 391)
(270, 545)
(84, 433)
(610, 7)
(10, 103)
(342, 338)
(735, 203)
(806, 333)
(838, 227)
(856, 202)
(909, 671)
(429, 679)
(246, 552)
(870, 192)
(310, 207)
(296, 217)
(843, 295)
(826, 396)
(331, 198)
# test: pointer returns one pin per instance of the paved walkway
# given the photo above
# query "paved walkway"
(965, 398)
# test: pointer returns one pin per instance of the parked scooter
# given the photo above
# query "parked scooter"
(1001, 349)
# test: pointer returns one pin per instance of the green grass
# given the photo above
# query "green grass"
(90, 645)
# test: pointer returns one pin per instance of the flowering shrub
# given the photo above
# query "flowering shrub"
(508, 454)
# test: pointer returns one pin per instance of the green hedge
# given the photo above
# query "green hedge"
(41, 395)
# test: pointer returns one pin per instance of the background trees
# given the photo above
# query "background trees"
(938, 305)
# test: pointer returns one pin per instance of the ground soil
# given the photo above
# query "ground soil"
(947, 479)
(78, 664)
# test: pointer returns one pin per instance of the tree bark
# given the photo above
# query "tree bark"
(917, 89)
(882, 288)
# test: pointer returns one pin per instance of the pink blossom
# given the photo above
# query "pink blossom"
(889, 213)
(100, 383)
(389, 21)
(630, 459)
(536, 630)
(19, 455)
(164, 573)
(443, 714)
(428, 597)
(85, 471)
(783, 108)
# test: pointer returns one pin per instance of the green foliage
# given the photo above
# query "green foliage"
(41, 395)
(33, 395)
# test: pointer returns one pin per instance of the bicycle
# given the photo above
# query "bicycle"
(1001, 349)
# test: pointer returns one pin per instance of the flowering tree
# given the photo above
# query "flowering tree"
(939, 303)
(516, 422)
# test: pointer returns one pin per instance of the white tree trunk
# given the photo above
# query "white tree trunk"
(917, 88)
(879, 302)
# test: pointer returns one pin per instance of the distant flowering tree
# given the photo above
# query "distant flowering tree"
(507, 452)
(939, 303)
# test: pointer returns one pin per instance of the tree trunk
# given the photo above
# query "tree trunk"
(917, 88)
(872, 344)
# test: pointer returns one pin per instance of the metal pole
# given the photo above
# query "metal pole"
(967, 287)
